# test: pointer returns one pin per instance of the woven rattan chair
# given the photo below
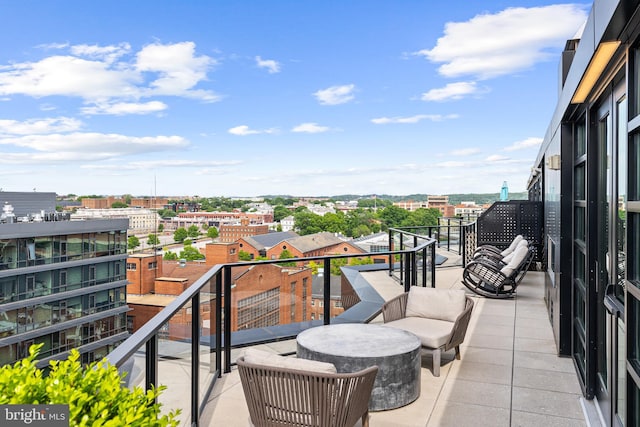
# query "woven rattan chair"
(278, 396)
(438, 317)
(493, 279)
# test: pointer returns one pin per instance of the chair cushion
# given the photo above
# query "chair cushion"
(431, 332)
(432, 303)
(265, 358)
(519, 255)
(512, 246)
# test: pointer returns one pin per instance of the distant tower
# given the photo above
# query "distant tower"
(504, 192)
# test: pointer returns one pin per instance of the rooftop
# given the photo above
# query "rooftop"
(508, 375)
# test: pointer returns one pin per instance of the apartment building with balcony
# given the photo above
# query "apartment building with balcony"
(587, 173)
(62, 282)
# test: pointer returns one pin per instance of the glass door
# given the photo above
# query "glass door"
(607, 240)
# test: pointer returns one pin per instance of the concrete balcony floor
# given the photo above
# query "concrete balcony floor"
(508, 375)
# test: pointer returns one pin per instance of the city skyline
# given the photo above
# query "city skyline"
(251, 98)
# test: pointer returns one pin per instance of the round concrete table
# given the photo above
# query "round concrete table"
(355, 346)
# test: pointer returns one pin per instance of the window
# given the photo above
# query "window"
(153, 265)
(131, 266)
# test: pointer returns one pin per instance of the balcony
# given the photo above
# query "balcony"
(509, 372)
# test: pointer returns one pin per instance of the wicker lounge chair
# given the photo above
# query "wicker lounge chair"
(439, 317)
(492, 279)
(289, 396)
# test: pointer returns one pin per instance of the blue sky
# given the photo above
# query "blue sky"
(247, 98)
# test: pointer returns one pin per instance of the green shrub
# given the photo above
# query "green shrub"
(95, 393)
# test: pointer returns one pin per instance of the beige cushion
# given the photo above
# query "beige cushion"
(507, 259)
(432, 303)
(518, 256)
(265, 358)
(432, 333)
(512, 246)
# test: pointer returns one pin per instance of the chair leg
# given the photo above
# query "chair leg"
(458, 352)
(436, 362)
(365, 419)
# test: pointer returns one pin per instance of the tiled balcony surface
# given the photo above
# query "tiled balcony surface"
(508, 375)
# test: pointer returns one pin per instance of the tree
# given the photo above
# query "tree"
(285, 254)
(307, 222)
(193, 231)
(280, 212)
(133, 242)
(180, 234)
(212, 233)
(153, 240)
(393, 216)
(244, 256)
(170, 256)
(160, 228)
(191, 253)
(117, 205)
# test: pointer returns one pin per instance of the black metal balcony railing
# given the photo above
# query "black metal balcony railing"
(192, 336)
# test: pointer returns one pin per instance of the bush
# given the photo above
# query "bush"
(95, 393)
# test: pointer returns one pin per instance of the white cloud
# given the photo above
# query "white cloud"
(179, 68)
(335, 95)
(310, 128)
(158, 164)
(108, 53)
(465, 152)
(452, 91)
(107, 74)
(524, 144)
(413, 119)
(39, 126)
(496, 158)
(243, 130)
(271, 65)
(88, 146)
(122, 108)
(490, 45)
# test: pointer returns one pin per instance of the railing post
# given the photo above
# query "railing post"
(407, 269)
(195, 359)
(433, 266)
(402, 258)
(448, 234)
(227, 319)
(463, 245)
(391, 256)
(219, 324)
(424, 267)
(151, 362)
(327, 291)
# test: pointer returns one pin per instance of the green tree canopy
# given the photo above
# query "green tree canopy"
(180, 234)
(117, 205)
(212, 232)
(191, 253)
(153, 239)
(280, 212)
(133, 242)
(193, 231)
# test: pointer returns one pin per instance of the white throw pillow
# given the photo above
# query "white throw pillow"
(432, 303)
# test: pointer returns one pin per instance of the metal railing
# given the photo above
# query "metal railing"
(192, 337)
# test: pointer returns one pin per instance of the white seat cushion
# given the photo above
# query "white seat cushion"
(265, 358)
(432, 333)
(519, 255)
(432, 303)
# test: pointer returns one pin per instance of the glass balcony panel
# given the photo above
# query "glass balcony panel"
(174, 363)
(207, 337)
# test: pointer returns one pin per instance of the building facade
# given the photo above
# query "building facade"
(62, 285)
(587, 173)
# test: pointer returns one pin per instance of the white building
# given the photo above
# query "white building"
(141, 221)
